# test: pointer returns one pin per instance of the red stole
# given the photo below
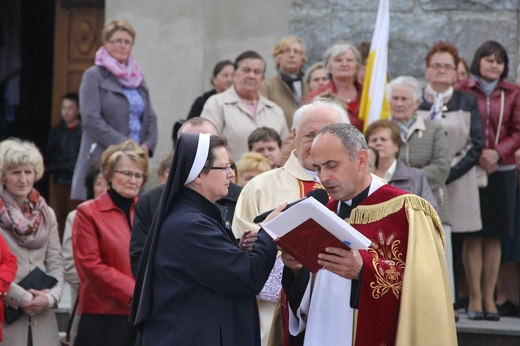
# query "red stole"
(383, 270)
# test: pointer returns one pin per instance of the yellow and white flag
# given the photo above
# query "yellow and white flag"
(374, 105)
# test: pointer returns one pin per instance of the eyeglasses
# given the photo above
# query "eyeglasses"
(121, 41)
(447, 67)
(293, 51)
(226, 169)
(129, 175)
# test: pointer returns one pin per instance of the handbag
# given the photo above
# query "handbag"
(482, 176)
(36, 279)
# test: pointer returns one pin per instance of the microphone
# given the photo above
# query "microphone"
(319, 194)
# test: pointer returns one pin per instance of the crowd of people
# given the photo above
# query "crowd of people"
(435, 188)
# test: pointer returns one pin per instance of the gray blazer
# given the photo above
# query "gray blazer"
(105, 120)
(427, 148)
(414, 181)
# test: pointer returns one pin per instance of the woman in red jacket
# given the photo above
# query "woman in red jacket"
(499, 105)
(8, 267)
(101, 243)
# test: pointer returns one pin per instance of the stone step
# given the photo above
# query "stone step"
(505, 332)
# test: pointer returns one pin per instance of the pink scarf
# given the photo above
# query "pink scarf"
(29, 225)
(129, 75)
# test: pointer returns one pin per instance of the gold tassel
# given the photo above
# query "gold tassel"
(364, 214)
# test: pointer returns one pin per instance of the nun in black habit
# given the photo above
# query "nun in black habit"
(195, 285)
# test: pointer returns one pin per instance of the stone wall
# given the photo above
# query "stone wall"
(179, 42)
(414, 26)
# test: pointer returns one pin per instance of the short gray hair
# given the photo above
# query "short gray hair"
(352, 139)
(323, 102)
(337, 50)
(407, 81)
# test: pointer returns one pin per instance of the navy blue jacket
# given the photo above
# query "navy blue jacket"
(62, 152)
(204, 285)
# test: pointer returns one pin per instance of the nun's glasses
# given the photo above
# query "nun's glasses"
(226, 169)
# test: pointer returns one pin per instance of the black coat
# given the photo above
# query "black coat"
(143, 216)
(204, 285)
(145, 211)
(198, 105)
(62, 152)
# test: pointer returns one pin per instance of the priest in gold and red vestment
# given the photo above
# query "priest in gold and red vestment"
(394, 293)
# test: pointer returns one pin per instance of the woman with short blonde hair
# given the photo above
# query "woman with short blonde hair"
(114, 102)
(114, 25)
(287, 89)
(15, 152)
(101, 241)
(30, 230)
(251, 165)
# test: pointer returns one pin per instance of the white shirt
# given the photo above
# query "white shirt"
(325, 313)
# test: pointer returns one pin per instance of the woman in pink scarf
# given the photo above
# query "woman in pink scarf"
(114, 102)
(28, 226)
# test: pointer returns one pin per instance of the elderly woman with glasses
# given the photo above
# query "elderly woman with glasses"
(287, 89)
(458, 114)
(114, 102)
(101, 242)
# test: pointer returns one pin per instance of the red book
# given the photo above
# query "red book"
(307, 228)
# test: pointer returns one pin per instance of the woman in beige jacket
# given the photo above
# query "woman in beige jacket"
(29, 228)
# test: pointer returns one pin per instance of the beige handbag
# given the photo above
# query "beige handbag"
(482, 176)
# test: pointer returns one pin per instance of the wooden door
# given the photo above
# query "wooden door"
(77, 37)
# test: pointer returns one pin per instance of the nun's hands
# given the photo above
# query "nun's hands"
(247, 240)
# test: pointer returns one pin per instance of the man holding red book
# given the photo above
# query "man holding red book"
(394, 293)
